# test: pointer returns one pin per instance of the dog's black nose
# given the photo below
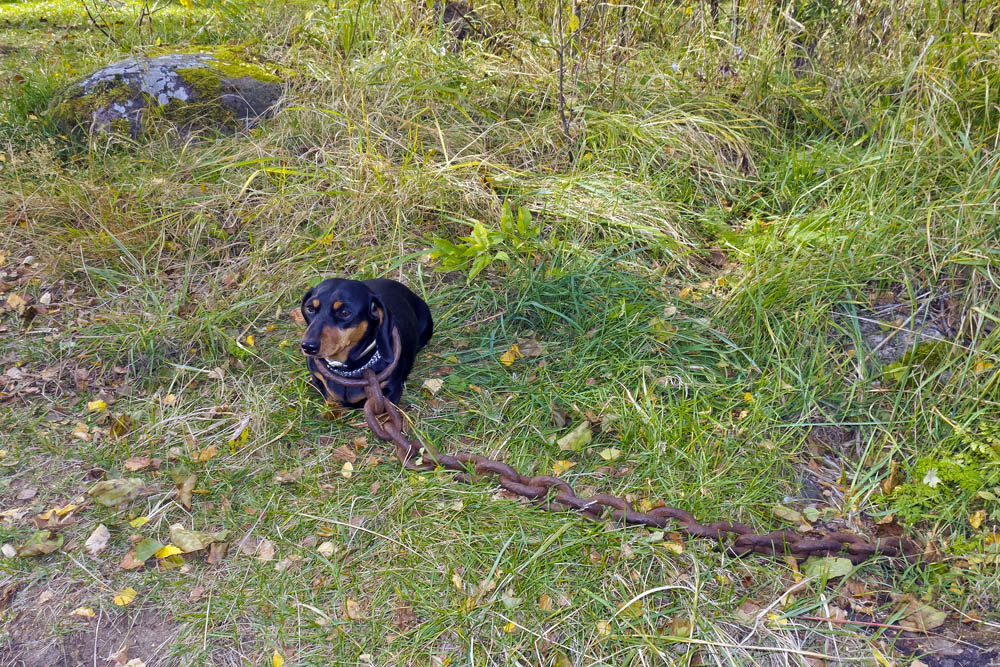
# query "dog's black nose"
(310, 347)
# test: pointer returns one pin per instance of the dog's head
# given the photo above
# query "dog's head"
(343, 319)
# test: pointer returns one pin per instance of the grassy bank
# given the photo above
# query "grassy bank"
(759, 255)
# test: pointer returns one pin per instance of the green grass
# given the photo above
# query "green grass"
(719, 263)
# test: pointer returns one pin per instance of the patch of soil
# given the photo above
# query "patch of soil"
(830, 437)
(894, 323)
(36, 636)
(954, 645)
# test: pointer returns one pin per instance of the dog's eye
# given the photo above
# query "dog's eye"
(343, 314)
(310, 309)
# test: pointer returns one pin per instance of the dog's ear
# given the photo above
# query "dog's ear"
(296, 314)
(383, 331)
(375, 309)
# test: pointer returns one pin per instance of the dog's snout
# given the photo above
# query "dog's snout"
(310, 347)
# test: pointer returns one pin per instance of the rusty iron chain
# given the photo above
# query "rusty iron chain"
(552, 493)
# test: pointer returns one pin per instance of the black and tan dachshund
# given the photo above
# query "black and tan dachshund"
(349, 327)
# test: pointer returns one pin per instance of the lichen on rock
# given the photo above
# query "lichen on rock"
(199, 89)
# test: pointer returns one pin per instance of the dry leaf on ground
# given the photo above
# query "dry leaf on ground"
(561, 466)
(530, 347)
(124, 596)
(288, 476)
(265, 551)
(98, 540)
(193, 540)
(167, 551)
(508, 357)
(917, 616)
(185, 487)
(827, 566)
(344, 453)
(206, 454)
(41, 543)
(576, 439)
(137, 463)
(217, 552)
(130, 562)
(352, 610)
(112, 492)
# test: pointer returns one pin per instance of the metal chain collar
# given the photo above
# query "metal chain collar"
(552, 493)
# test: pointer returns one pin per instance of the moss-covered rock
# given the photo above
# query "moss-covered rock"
(216, 90)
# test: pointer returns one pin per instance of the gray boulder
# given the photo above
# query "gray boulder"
(193, 90)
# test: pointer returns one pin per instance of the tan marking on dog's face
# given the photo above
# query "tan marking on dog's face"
(316, 304)
(336, 343)
(337, 304)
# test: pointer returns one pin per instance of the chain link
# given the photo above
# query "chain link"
(552, 493)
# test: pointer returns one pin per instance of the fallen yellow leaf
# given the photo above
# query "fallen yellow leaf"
(561, 466)
(63, 511)
(982, 365)
(631, 610)
(276, 659)
(16, 302)
(777, 619)
(124, 596)
(97, 406)
(139, 521)
(206, 454)
(352, 610)
(347, 469)
(674, 547)
(432, 385)
(83, 611)
(250, 340)
(510, 628)
(169, 550)
(508, 357)
(976, 518)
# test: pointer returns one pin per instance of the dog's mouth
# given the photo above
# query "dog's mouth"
(332, 364)
(335, 366)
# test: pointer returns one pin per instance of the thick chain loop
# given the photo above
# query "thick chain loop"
(386, 422)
